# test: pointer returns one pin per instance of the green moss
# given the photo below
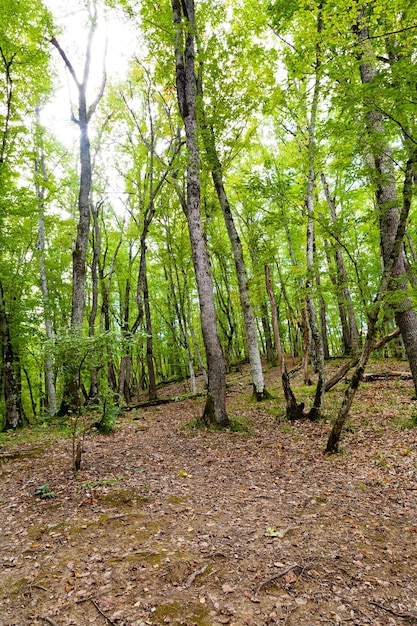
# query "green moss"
(123, 497)
(177, 499)
(189, 613)
(19, 585)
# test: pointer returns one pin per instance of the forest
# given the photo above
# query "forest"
(243, 192)
(208, 271)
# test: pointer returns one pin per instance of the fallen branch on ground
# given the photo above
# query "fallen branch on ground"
(49, 620)
(275, 577)
(388, 610)
(194, 575)
(368, 378)
(102, 613)
(331, 382)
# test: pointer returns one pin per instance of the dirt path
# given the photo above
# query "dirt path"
(164, 525)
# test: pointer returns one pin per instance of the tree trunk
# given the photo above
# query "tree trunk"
(385, 286)
(96, 243)
(13, 417)
(344, 301)
(269, 347)
(242, 278)
(71, 398)
(315, 410)
(323, 321)
(183, 15)
(295, 411)
(40, 171)
(275, 324)
(149, 343)
(388, 204)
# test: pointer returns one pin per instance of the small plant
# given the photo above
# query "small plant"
(45, 492)
(108, 421)
(102, 482)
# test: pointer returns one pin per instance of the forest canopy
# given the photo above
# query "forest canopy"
(241, 188)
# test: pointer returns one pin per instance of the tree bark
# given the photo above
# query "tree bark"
(295, 411)
(387, 202)
(149, 343)
(13, 417)
(383, 289)
(183, 16)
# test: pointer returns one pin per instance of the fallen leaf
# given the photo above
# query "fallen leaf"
(183, 474)
(227, 588)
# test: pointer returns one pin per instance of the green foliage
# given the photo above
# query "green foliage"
(44, 492)
(107, 422)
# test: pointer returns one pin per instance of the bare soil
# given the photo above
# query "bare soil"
(167, 524)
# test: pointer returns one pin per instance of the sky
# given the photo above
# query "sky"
(73, 23)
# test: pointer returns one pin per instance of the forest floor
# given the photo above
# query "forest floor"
(168, 524)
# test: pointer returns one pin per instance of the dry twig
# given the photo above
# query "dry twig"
(271, 579)
(388, 610)
(102, 612)
(194, 575)
(49, 620)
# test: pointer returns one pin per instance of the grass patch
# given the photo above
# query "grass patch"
(239, 424)
(37, 433)
(404, 423)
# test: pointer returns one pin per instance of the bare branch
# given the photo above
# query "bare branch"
(67, 62)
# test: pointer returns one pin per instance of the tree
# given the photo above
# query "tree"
(386, 197)
(183, 16)
(24, 81)
(72, 397)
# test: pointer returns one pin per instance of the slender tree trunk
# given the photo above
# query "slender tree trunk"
(242, 278)
(105, 314)
(323, 321)
(269, 347)
(347, 314)
(388, 204)
(96, 242)
(149, 343)
(40, 171)
(295, 411)
(274, 317)
(306, 341)
(183, 15)
(315, 410)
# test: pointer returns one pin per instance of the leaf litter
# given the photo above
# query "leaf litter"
(166, 524)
